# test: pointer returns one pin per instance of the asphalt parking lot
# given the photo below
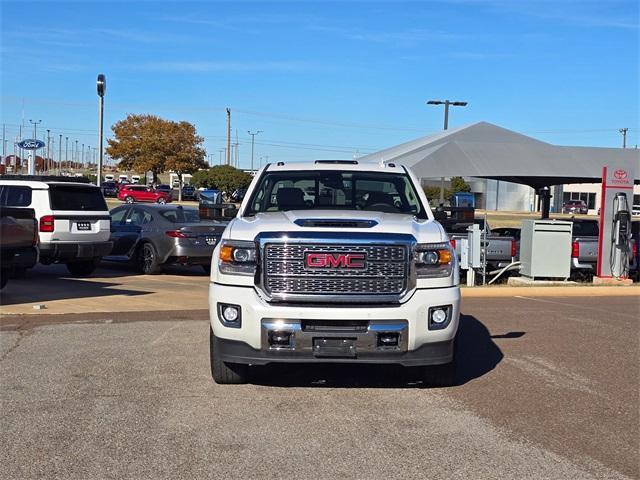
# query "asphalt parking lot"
(548, 388)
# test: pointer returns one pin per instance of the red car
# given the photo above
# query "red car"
(140, 193)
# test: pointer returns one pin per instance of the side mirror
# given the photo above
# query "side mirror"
(229, 212)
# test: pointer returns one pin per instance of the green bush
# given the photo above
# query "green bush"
(222, 177)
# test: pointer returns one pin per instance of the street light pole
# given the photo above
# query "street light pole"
(446, 104)
(101, 86)
(253, 138)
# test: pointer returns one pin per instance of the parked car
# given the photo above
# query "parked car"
(584, 248)
(575, 206)
(73, 218)
(634, 267)
(151, 236)
(635, 210)
(135, 179)
(109, 177)
(500, 250)
(109, 189)
(189, 192)
(18, 237)
(164, 188)
(140, 193)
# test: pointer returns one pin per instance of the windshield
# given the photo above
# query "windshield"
(335, 190)
(181, 215)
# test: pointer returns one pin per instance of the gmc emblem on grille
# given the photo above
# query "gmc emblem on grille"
(334, 260)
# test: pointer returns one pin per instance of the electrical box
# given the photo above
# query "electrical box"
(545, 249)
(474, 235)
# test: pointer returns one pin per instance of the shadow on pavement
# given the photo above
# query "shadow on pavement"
(477, 355)
(36, 289)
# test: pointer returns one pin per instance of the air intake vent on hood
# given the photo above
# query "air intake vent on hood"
(335, 223)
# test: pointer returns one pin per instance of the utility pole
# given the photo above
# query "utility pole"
(32, 161)
(4, 147)
(236, 150)
(59, 155)
(624, 131)
(76, 157)
(253, 138)
(66, 151)
(446, 104)
(228, 158)
(220, 150)
(48, 150)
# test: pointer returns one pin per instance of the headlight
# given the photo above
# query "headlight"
(237, 258)
(433, 260)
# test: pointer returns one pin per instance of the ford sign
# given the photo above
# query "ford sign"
(30, 144)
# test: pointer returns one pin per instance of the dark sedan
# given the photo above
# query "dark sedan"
(109, 189)
(151, 236)
(189, 192)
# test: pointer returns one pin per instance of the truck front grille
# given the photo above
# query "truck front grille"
(384, 270)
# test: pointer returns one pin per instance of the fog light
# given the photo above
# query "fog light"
(438, 316)
(229, 315)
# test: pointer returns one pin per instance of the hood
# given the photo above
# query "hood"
(247, 228)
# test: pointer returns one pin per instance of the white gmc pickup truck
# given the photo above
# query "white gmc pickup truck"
(334, 261)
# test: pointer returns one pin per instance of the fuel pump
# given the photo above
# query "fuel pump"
(620, 237)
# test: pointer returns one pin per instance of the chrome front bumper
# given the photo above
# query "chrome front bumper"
(326, 339)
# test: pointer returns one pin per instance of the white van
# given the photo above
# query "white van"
(109, 177)
(135, 179)
(123, 177)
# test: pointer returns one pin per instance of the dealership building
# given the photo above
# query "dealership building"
(507, 169)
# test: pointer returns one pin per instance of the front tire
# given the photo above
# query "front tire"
(161, 201)
(4, 278)
(225, 373)
(148, 261)
(83, 268)
(129, 199)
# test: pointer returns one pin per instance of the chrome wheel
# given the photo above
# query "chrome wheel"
(162, 201)
(129, 199)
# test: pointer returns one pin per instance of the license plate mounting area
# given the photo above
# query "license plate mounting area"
(334, 347)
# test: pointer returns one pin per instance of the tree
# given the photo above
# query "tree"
(149, 143)
(433, 194)
(459, 185)
(222, 177)
(188, 155)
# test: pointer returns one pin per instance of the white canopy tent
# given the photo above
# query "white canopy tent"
(485, 150)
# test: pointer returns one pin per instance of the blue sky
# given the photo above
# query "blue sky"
(326, 79)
